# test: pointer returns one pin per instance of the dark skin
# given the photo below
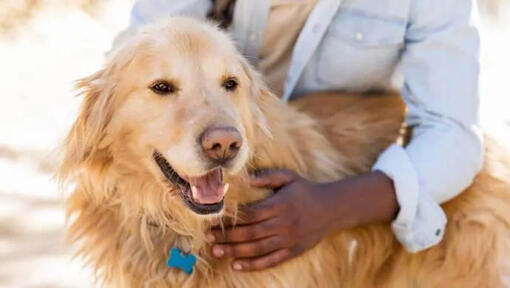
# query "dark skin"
(299, 215)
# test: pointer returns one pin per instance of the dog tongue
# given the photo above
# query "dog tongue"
(208, 188)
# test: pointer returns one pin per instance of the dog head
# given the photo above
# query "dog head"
(175, 102)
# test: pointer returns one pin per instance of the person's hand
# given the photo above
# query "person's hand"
(278, 228)
(299, 215)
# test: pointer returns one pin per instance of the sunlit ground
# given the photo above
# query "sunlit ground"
(37, 105)
(37, 67)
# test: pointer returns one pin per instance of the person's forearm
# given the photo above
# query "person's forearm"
(361, 200)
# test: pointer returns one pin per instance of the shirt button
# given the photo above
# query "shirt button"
(253, 36)
(316, 28)
(359, 36)
(438, 232)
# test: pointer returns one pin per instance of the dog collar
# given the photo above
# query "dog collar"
(180, 260)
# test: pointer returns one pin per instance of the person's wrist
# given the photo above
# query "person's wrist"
(360, 200)
(389, 188)
(337, 214)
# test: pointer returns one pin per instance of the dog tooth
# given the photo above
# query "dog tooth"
(194, 191)
(225, 188)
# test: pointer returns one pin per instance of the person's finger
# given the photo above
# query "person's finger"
(272, 178)
(223, 223)
(249, 249)
(254, 212)
(245, 233)
(261, 210)
(259, 263)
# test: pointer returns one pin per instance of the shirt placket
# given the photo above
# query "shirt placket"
(249, 23)
(308, 40)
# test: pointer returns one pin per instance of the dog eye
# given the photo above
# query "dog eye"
(163, 88)
(230, 84)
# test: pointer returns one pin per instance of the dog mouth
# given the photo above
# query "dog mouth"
(202, 194)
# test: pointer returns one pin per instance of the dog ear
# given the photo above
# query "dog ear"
(88, 131)
(258, 87)
(262, 96)
(88, 134)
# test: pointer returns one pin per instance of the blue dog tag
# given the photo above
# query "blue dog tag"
(177, 259)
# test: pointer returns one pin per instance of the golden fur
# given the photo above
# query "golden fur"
(124, 217)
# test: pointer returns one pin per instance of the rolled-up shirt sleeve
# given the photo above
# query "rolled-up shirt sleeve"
(440, 65)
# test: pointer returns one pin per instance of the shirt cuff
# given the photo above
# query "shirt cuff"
(420, 222)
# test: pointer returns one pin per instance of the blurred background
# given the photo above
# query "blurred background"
(47, 44)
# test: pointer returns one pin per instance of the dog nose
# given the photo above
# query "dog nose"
(221, 143)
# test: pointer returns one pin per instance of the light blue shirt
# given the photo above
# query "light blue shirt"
(359, 45)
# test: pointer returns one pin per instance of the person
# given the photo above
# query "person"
(427, 48)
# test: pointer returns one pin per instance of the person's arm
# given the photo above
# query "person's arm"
(440, 68)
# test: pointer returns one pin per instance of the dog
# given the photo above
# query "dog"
(168, 134)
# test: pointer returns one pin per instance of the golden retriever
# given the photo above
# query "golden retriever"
(168, 133)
